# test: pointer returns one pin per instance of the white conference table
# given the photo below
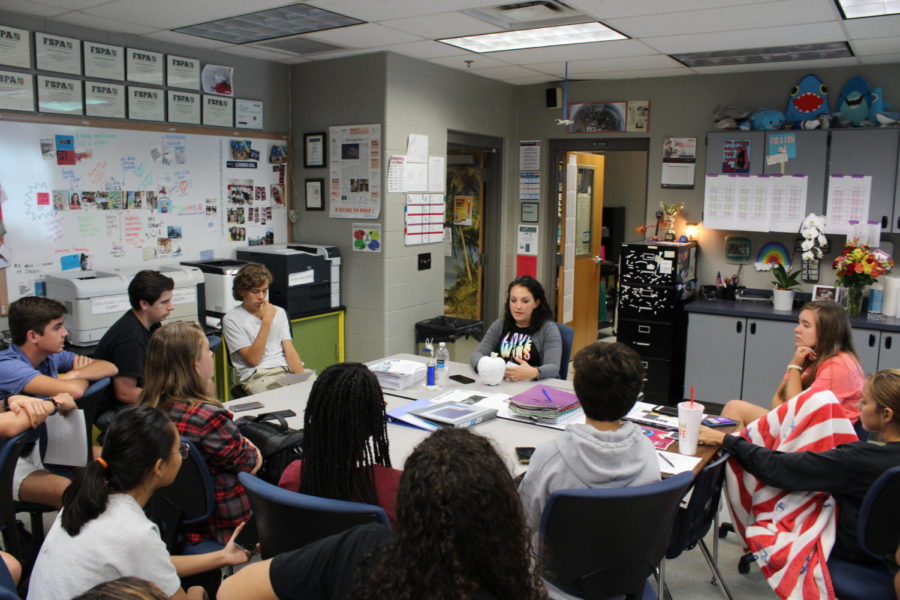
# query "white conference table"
(505, 434)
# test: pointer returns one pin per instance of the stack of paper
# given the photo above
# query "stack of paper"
(398, 374)
(647, 414)
(544, 404)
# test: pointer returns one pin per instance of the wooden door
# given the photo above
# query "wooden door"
(578, 275)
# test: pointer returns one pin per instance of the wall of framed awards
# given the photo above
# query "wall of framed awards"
(60, 75)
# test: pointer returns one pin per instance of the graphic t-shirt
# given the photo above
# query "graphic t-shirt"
(517, 343)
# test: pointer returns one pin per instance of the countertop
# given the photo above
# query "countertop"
(764, 310)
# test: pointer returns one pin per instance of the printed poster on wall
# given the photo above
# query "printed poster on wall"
(218, 111)
(57, 53)
(736, 156)
(15, 49)
(16, 91)
(144, 66)
(184, 107)
(104, 99)
(182, 72)
(104, 61)
(59, 95)
(147, 104)
(366, 237)
(355, 171)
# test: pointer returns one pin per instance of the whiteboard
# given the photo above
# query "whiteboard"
(103, 198)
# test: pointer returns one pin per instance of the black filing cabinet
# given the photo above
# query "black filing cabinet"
(656, 280)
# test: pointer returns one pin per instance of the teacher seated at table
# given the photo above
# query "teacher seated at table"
(526, 336)
(345, 443)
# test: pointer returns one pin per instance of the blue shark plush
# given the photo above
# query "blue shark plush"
(766, 119)
(878, 112)
(853, 103)
(808, 100)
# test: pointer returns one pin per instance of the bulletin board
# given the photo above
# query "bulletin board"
(82, 197)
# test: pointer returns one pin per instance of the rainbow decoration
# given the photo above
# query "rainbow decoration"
(771, 254)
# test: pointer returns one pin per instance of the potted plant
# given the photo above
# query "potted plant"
(785, 281)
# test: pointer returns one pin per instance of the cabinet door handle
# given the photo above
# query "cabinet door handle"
(752, 328)
(643, 329)
(642, 343)
(739, 326)
(898, 222)
(871, 340)
(884, 222)
(887, 342)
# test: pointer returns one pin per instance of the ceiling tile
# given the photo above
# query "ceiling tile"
(575, 52)
(478, 62)
(185, 40)
(807, 65)
(580, 69)
(613, 75)
(31, 8)
(339, 54)
(169, 14)
(66, 4)
(444, 25)
(783, 12)
(254, 52)
(368, 35)
(880, 59)
(531, 80)
(608, 9)
(749, 38)
(508, 72)
(886, 45)
(873, 27)
(369, 10)
(83, 20)
(426, 50)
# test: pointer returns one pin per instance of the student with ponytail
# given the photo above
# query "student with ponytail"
(102, 532)
(345, 446)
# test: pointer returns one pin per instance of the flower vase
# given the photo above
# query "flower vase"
(854, 301)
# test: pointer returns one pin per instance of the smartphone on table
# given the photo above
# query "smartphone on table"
(523, 453)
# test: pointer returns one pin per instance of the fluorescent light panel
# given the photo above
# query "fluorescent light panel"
(268, 24)
(855, 9)
(562, 35)
(748, 56)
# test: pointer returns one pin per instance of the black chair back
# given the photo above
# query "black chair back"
(598, 543)
(879, 516)
(10, 451)
(288, 520)
(694, 521)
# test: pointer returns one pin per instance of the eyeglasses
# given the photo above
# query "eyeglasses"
(184, 449)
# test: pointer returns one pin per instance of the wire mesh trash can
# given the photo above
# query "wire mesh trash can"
(450, 330)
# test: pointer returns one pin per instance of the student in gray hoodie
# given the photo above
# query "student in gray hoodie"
(605, 451)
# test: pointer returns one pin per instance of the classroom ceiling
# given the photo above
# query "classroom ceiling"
(655, 28)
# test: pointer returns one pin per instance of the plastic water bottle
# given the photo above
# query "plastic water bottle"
(442, 357)
(429, 355)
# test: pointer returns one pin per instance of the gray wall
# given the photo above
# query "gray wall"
(683, 107)
(253, 79)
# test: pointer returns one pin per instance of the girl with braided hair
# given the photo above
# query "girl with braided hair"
(345, 444)
(460, 534)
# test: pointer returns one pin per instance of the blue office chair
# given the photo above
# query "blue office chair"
(289, 520)
(877, 533)
(10, 451)
(189, 499)
(598, 543)
(693, 522)
(7, 587)
(566, 333)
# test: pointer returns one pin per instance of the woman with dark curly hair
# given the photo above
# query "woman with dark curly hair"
(345, 445)
(460, 534)
(526, 336)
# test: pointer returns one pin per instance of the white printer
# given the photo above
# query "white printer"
(96, 299)
(333, 256)
(218, 274)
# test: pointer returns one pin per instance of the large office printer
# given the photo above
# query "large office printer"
(96, 299)
(333, 256)
(218, 274)
(301, 279)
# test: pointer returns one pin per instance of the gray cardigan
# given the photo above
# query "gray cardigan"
(546, 340)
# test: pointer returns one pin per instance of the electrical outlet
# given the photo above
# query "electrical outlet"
(425, 261)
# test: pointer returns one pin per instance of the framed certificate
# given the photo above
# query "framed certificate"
(57, 53)
(315, 194)
(15, 47)
(218, 111)
(248, 114)
(146, 104)
(104, 99)
(144, 66)
(16, 91)
(182, 72)
(59, 95)
(314, 150)
(104, 61)
(184, 107)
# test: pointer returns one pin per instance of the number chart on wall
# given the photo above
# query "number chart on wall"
(96, 198)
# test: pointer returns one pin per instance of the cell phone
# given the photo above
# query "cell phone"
(284, 414)
(462, 379)
(523, 453)
(662, 409)
(246, 406)
(718, 422)
(248, 538)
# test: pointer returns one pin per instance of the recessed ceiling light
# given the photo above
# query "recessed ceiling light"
(855, 9)
(748, 56)
(269, 24)
(581, 33)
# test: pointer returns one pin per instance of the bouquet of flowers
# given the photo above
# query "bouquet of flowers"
(858, 266)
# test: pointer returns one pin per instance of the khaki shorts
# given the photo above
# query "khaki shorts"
(264, 379)
(25, 466)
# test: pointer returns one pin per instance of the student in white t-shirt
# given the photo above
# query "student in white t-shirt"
(258, 333)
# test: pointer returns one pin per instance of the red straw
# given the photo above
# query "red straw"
(692, 396)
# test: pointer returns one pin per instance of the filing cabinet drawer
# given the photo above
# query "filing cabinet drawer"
(650, 340)
(649, 303)
(657, 380)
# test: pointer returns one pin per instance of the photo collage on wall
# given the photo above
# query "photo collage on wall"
(249, 206)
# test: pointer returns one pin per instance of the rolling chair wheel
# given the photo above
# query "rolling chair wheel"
(744, 563)
(725, 529)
